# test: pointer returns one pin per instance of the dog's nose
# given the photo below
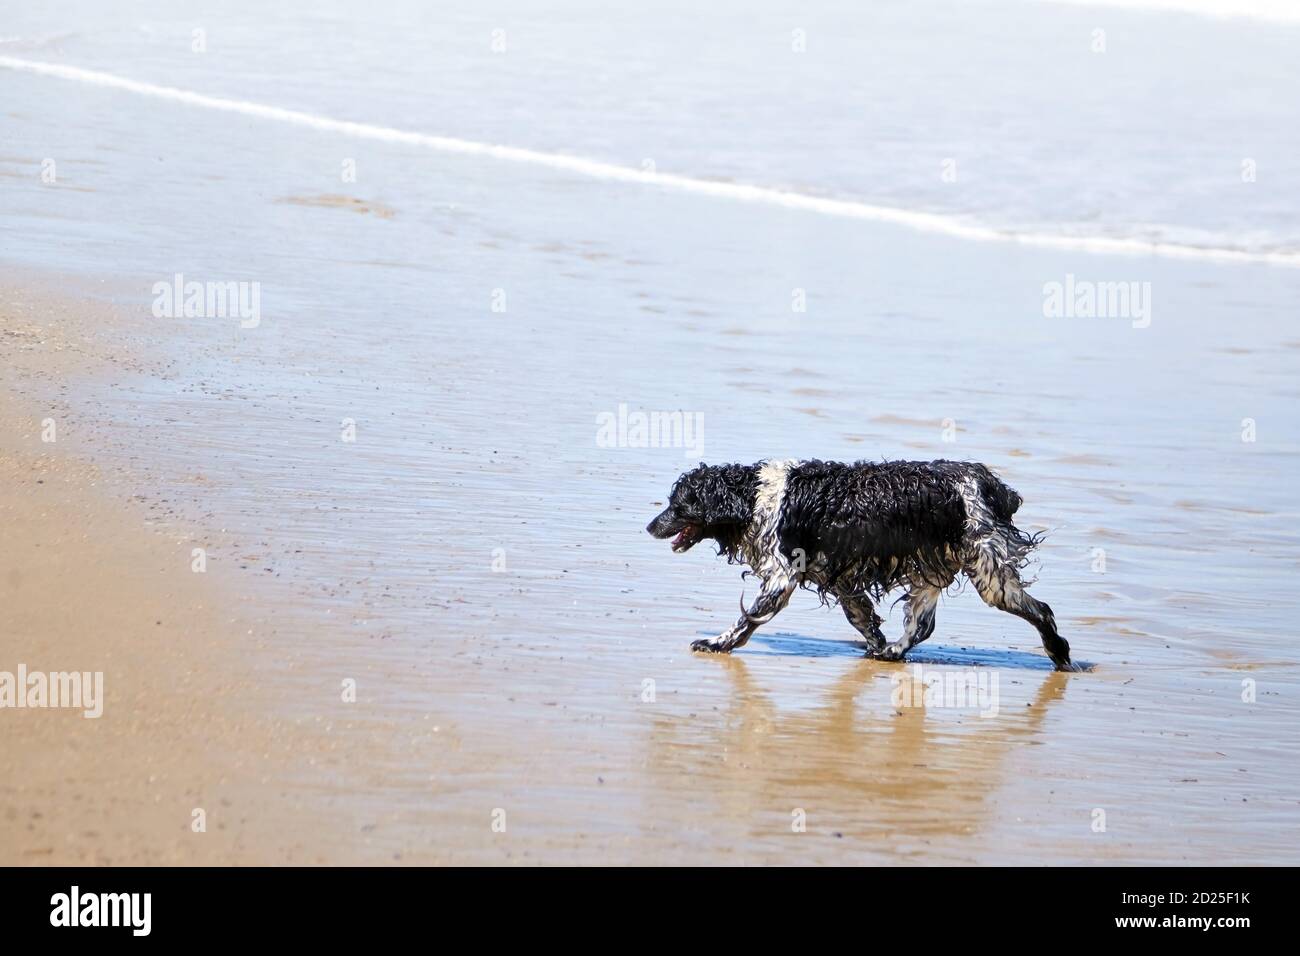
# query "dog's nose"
(655, 527)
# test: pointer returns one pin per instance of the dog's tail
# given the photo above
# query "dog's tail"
(1001, 499)
(990, 503)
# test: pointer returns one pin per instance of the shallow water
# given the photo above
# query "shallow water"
(489, 554)
(1142, 133)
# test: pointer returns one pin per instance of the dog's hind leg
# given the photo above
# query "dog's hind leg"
(1000, 586)
(918, 621)
(862, 615)
(774, 595)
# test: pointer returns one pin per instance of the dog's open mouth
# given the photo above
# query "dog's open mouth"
(686, 538)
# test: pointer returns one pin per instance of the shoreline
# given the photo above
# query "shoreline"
(948, 225)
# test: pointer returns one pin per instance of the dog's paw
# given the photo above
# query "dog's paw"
(890, 652)
(711, 646)
(1067, 667)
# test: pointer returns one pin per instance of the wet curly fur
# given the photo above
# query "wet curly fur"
(855, 532)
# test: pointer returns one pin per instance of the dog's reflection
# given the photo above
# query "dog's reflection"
(856, 764)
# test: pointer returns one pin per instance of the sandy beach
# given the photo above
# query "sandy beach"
(89, 587)
(355, 534)
(185, 759)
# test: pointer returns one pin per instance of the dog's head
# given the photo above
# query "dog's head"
(711, 501)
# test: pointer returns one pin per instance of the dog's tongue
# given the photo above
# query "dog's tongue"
(682, 538)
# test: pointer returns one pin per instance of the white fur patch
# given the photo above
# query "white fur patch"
(761, 546)
(991, 559)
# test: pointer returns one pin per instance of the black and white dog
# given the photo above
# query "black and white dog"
(856, 531)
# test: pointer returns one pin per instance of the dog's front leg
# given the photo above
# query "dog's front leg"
(773, 596)
(862, 615)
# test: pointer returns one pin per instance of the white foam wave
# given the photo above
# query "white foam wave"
(19, 42)
(844, 208)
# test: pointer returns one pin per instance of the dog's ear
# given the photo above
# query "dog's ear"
(684, 483)
(720, 492)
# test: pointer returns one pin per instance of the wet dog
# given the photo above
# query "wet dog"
(855, 532)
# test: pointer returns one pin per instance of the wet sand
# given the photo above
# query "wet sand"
(550, 712)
